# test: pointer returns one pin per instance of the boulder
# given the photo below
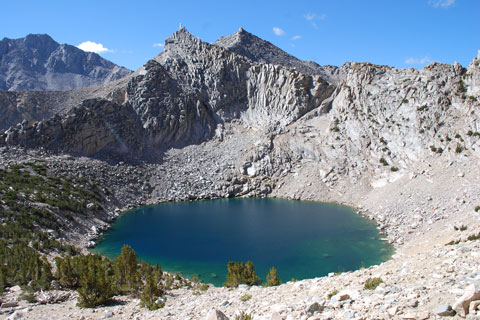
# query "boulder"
(472, 292)
(445, 310)
(276, 316)
(216, 315)
(16, 315)
(474, 306)
(315, 307)
(9, 304)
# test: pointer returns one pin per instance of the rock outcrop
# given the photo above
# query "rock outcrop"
(96, 128)
(248, 45)
(37, 62)
(182, 95)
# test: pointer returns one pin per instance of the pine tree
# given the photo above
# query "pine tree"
(95, 285)
(152, 291)
(272, 278)
(126, 270)
(241, 273)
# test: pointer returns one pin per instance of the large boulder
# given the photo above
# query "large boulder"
(472, 292)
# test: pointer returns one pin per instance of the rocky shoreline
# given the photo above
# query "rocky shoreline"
(423, 275)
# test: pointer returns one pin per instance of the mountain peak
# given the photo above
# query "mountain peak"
(249, 45)
(38, 62)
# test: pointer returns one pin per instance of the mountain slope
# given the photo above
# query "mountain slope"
(248, 45)
(37, 62)
(182, 96)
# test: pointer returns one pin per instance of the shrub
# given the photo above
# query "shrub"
(453, 242)
(244, 316)
(95, 283)
(22, 265)
(422, 108)
(126, 273)
(383, 161)
(474, 237)
(241, 273)
(477, 208)
(195, 278)
(372, 283)
(433, 148)
(150, 294)
(246, 297)
(27, 296)
(272, 278)
(461, 87)
(459, 148)
(393, 169)
(331, 294)
(204, 287)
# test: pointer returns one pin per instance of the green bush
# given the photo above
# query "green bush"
(372, 283)
(22, 265)
(244, 316)
(331, 294)
(127, 276)
(383, 161)
(459, 148)
(246, 297)
(241, 273)
(152, 291)
(272, 278)
(96, 285)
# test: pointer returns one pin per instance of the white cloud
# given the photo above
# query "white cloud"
(441, 3)
(313, 17)
(310, 16)
(278, 31)
(296, 37)
(158, 45)
(423, 60)
(90, 46)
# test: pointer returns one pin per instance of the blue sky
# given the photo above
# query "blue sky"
(399, 33)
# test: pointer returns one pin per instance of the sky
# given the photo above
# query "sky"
(399, 33)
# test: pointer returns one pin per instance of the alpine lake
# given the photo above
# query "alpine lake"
(301, 239)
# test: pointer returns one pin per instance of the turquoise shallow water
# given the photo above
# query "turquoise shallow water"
(301, 239)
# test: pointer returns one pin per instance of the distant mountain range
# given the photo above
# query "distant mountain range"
(39, 63)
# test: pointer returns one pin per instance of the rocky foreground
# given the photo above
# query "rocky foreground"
(421, 211)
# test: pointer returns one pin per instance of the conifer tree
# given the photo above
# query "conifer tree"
(95, 284)
(126, 270)
(272, 278)
(241, 273)
(152, 291)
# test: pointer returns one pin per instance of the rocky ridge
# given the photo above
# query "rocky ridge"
(37, 62)
(399, 145)
(248, 45)
(191, 89)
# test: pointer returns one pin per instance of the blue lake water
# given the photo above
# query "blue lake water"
(301, 239)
